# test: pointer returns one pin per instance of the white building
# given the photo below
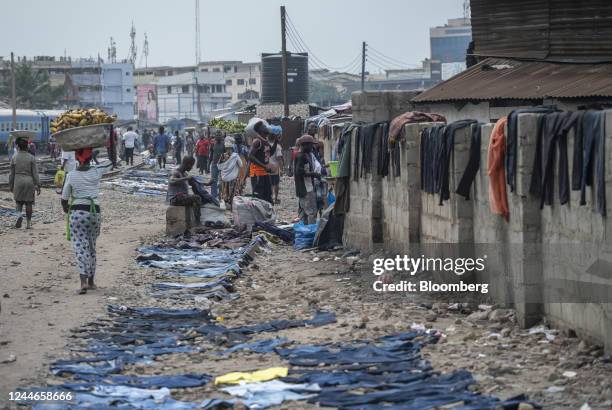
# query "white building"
(179, 96)
(242, 80)
(106, 86)
(118, 89)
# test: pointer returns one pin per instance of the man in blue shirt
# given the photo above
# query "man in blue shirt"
(161, 143)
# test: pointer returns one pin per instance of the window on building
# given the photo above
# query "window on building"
(169, 72)
(228, 82)
(220, 88)
(205, 70)
(216, 70)
(169, 90)
(226, 68)
(128, 90)
(235, 68)
(252, 81)
(240, 81)
(127, 73)
(185, 89)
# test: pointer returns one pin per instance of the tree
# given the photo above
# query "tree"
(325, 94)
(32, 88)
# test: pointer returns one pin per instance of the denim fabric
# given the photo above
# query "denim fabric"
(262, 395)
(259, 346)
(284, 234)
(160, 313)
(473, 164)
(512, 140)
(594, 157)
(117, 397)
(149, 382)
(553, 133)
(320, 319)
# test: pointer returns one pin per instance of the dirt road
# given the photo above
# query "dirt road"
(39, 280)
(41, 308)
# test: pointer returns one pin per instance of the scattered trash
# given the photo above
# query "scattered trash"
(549, 333)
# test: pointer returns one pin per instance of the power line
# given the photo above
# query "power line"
(300, 39)
(395, 61)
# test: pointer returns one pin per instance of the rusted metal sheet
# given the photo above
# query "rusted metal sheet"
(499, 78)
(563, 30)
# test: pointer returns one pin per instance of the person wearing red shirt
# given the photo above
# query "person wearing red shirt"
(202, 150)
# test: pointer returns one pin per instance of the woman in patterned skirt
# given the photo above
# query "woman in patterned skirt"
(80, 202)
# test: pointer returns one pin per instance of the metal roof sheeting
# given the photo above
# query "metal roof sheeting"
(499, 78)
(567, 30)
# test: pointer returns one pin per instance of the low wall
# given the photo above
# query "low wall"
(536, 261)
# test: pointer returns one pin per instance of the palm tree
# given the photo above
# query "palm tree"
(32, 88)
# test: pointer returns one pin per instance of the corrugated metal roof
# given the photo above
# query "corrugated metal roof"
(498, 78)
(567, 30)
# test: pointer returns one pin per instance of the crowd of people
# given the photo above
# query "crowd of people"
(228, 160)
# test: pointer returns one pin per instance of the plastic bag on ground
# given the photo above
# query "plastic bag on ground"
(304, 235)
(248, 210)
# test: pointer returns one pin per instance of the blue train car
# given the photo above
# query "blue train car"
(30, 120)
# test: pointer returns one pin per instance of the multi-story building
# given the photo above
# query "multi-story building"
(242, 80)
(190, 95)
(107, 86)
(85, 79)
(118, 89)
(449, 44)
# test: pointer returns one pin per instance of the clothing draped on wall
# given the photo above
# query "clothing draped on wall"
(512, 140)
(437, 147)
(473, 165)
(498, 197)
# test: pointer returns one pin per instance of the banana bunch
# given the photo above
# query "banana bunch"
(232, 127)
(81, 118)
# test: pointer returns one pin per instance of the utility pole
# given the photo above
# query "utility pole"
(199, 101)
(13, 93)
(363, 62)
(284, 61)
(198, 56)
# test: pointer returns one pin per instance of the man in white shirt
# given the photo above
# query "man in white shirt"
(68, 161)
(129, 139)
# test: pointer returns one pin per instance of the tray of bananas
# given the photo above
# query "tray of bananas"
(82, 128)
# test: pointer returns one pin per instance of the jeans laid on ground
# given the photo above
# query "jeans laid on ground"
(272, 393)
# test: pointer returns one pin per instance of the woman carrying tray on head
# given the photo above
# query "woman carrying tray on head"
(80, 202)
(23, 181)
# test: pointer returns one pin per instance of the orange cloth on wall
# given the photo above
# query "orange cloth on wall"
(498, 197)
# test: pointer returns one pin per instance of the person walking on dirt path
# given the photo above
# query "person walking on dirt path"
(161, 143)
(276, 159)
(178, 147)
(23, 182)
(190, 143)
(304, 176)
(129, 139)
(202, 150)
(229, 166)
(216, 152)
(259, 156)
(80, 203)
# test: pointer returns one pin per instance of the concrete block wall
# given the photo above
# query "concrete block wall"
(367, 220)
(535, 247)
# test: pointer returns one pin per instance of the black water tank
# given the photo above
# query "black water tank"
(272, 78)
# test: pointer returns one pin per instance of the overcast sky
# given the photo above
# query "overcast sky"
(230, 29)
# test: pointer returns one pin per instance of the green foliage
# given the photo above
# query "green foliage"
(325, 94)
(32, 88)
